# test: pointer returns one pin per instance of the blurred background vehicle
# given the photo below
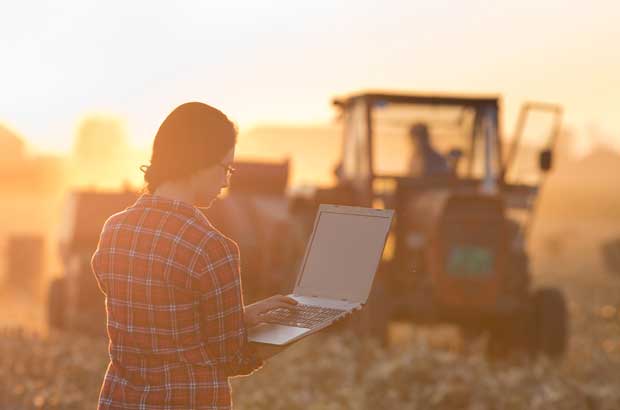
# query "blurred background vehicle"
(611, 255)
(254, 213)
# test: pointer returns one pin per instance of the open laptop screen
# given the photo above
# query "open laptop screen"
(344, 252)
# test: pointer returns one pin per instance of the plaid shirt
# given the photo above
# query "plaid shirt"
(174, 308)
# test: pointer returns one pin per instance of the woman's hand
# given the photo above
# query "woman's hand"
(252, 313)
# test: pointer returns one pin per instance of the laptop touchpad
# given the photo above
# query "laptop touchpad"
(274, 334)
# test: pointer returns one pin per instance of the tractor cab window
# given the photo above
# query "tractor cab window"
(355, 167)
(417, 140)
(536, 130)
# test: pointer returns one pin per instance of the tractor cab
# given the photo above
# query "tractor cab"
(434, 141)
(399, 149)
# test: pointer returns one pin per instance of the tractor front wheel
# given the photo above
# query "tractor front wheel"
(509, 336)
(549, 324)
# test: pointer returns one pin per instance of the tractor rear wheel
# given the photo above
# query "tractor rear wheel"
(56, 300)
(549, 324)
(374, 318)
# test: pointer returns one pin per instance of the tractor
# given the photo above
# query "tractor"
(74, 301)
(254, 212)
(457, 252)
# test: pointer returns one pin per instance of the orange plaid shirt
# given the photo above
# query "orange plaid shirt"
(174, 309)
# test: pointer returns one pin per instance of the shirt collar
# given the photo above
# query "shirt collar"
(170, 205)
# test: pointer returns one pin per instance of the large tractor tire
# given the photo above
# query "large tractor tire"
(373, 320)
(510, 336)
(56, 302)
(611, 255)
(284, 250)
(549, 325)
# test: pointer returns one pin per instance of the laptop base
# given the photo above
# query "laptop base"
(275, 334)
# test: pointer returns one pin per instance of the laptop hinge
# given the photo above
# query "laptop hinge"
(342, 299)
(315, 299)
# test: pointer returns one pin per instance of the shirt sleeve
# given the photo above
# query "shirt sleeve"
(221, 309)
(99, 263)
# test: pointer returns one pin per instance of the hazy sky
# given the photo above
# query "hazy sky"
(280, 61)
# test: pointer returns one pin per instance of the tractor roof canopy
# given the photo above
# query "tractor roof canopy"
(381, 135)
(428, 99)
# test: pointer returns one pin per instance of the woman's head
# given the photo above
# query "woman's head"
(191, 151)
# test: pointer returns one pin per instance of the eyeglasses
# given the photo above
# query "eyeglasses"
(229, 169)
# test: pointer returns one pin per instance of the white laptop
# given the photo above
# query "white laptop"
(335, 276)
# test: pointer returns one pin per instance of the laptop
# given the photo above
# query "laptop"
(335, 276)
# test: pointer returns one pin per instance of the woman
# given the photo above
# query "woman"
(176, 319)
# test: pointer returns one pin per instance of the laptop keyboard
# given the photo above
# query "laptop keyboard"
(307, 316)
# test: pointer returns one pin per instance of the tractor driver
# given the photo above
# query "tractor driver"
(425, 161)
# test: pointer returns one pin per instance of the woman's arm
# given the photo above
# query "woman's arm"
(221, 309)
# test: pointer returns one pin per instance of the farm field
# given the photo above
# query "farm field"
(423, 369)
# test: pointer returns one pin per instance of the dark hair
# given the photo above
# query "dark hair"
(193, 136)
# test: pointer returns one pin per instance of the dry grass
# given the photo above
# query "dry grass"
(425, 369)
